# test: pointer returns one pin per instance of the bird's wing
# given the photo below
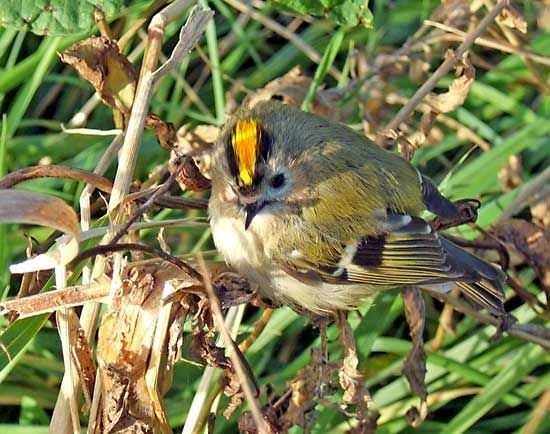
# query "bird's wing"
(408, 254)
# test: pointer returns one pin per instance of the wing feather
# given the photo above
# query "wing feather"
(410, 253)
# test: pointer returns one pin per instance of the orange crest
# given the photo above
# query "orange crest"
(246, 143)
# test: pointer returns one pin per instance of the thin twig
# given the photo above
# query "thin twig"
(491, 43)
(527, 332)
(449, 63)
(148, 204)
(110, 248)
(97, 181)
(232, 353)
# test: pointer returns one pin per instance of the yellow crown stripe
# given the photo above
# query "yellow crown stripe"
(245, 141)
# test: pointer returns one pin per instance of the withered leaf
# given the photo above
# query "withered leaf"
(248, 426)
(415, 363)
(458, 90)
(164, 131)
(232, 289)
(351, 379)
(512, 18)
(189, 177)
(99, 61)
(531, 243)
(125, 341)
(27, 207)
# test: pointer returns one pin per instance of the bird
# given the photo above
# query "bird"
(320, 218)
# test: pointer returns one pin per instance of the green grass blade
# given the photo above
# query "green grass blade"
(527, 359)
(326, 62)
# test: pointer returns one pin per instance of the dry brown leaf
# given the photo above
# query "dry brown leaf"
(510, 176)
(458, 90)
(415, 363)
(304, 390)
(125, 340)
(248, 426)
(196, 143)
(27, 207)
(512, 18)
(232, 289)
(189, 177)
(367, 425)
(351, 379)
(99, 61)
(164, 131)
(531, 243)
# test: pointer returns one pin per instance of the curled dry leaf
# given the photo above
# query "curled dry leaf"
(351, 379)
(197, 143)
(27, 207)
(164, 131)
(232, 289)
(367, 425)
(248, 426)
(99, 61)
(511, 17)
(530, 242)
(415, 363)
(510, 176)
(188, 175)
(304, 388)
(458, 90)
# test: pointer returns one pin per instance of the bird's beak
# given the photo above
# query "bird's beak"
(251, 210)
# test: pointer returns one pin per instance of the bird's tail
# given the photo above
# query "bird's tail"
(482, 283)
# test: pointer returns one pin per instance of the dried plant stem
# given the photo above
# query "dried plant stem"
(539, 413)
(527, 332)
(50, 301)
(449, 63)
(67, 398)
(236, 362)
(491, 43)
(94, 180)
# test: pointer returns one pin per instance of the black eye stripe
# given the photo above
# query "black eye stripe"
(231, 159)
(266, 142)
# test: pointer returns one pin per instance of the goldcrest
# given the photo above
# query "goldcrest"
(320, 218)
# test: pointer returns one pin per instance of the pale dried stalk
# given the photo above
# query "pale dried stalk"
(148, 76)
(154, 369)
(47, 302)
(449, 63)
(539, 413)
(69, 386)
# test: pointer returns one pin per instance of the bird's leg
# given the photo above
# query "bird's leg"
(323, 386)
